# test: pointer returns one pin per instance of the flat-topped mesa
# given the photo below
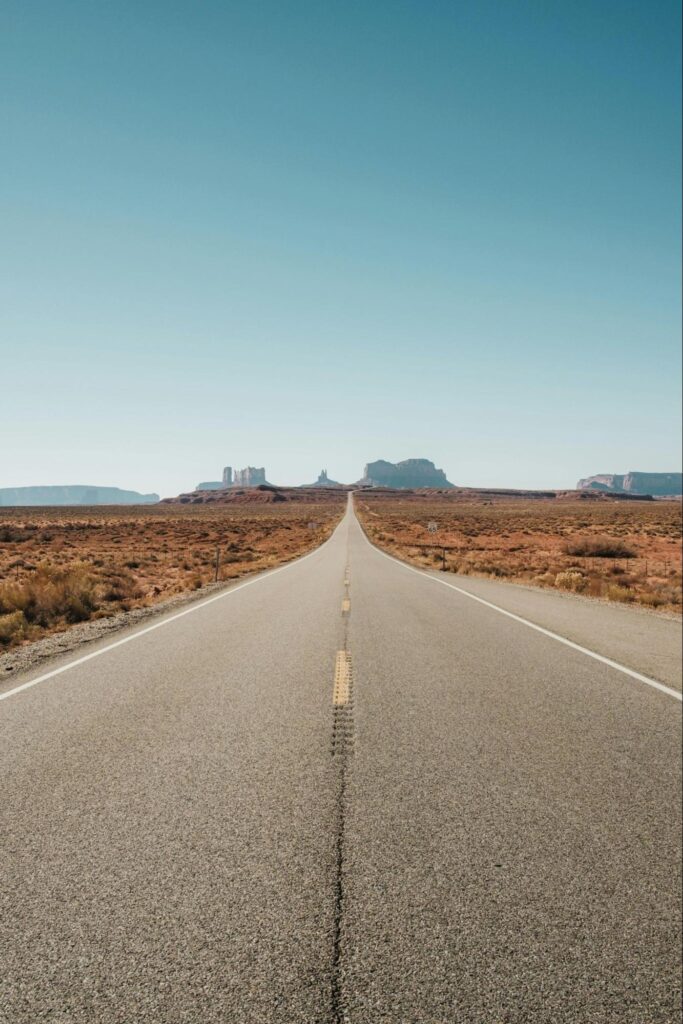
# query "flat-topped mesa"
(73, 494)
(210, 485)
(657, 484)
(406, 474)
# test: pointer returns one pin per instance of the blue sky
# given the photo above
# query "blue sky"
(315, 234)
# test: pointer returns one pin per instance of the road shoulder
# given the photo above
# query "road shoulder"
(641, 640)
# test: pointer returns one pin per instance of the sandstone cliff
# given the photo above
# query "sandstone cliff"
(409, 473)
(658, 484)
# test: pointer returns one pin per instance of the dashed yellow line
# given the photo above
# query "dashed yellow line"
(346, 605)
(342, 679)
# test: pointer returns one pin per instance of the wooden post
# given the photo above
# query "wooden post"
(218, 562)
(443, 560)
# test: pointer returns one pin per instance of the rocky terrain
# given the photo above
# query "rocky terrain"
(264, 494)
(657, 484)
(72, 494)
(409, 473)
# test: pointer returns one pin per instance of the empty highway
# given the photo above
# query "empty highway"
(346, 792)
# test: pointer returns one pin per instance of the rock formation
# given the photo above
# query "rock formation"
(602, 482)
(324, 481)
(406, 474)
(249, 477)
(657, 484)
(73, 494)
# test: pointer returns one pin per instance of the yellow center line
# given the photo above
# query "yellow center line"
(342, 679)
(346, 605)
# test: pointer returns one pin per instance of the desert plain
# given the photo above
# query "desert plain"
(623, 551)
(68, 565)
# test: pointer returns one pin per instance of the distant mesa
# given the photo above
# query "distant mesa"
(324, 481)
(251, 476)
(73, 494)
(407, 474)
(658, 484)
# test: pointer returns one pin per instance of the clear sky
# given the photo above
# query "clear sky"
(303, 234)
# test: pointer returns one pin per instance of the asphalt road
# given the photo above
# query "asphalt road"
(346, 792)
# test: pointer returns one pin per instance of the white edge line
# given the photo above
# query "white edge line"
(532, 625)
(163, 622)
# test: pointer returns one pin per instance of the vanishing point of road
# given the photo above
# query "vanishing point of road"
(348, 791)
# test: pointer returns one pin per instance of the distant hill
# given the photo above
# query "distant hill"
(657, 484)
(409, 473)
(73, 494)
(263, 494)
(488, 495)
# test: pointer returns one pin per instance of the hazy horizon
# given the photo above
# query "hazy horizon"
(307, 236)
(313, 476)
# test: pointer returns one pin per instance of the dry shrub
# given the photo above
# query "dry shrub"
(121, 585)
(52, 594)
(574, 581)
(596, 587)
(12, 627)
(598, 547)
(102, 561)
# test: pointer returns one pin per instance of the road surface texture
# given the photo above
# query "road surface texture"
(345, 792)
